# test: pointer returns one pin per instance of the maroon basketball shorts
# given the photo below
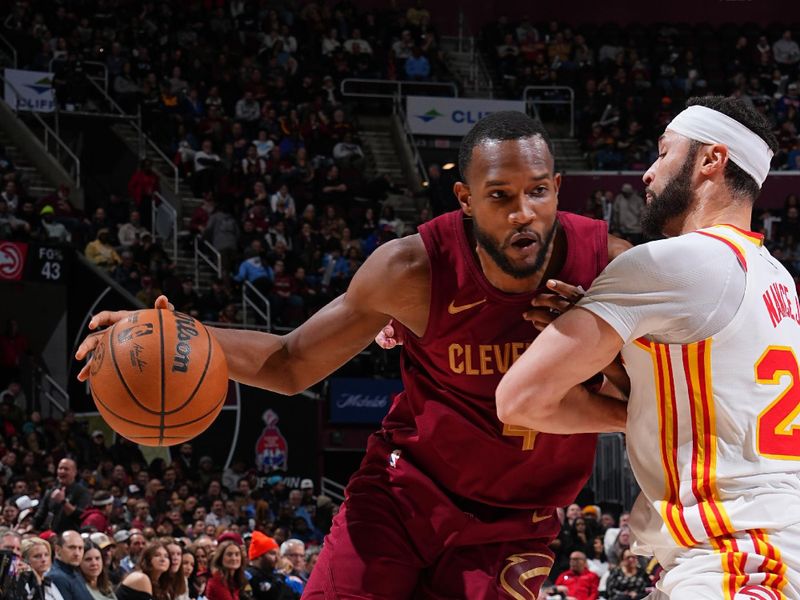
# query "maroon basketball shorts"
(399, 536)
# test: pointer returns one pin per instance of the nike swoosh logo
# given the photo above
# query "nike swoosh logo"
(454, 310)
(537, 518)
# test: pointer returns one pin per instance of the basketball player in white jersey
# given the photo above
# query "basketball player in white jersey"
(708, 323)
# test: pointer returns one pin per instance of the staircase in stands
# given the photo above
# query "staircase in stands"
(382, 157)
(35, 184)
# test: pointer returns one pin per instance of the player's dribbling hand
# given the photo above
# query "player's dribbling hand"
(549, 305)
(388, 338)
(105, 319)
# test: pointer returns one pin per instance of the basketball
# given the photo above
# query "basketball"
(158, 377)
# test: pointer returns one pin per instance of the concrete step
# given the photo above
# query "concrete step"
(38, 191)
(190, 201)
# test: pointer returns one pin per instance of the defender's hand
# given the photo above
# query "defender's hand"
(105, 319)
(549, 306)
(388, 338)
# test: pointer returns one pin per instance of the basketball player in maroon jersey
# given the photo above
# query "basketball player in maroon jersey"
(448, 502)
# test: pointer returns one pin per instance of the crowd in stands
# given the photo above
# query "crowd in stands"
(245, 98)
(630, 81)
(780, 227)
(593, 558)
(115, 524)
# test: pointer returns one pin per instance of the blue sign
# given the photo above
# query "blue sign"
(361, 400)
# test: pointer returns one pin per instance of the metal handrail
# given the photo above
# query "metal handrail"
(478, 73)
(554, 88)
(48, 133)
(393, 87)
(135, 121)
(332, 489)
(222, 325)
(216, 264)
(612, 477)
(53, 392)
(11, 47)
(400, 113)
(172, 215)
(105, 72)
(460, 40)
(482, 71)
(91, 78)
(265, 314)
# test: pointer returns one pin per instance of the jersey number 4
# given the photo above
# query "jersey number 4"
(528, 435)
(778, 436)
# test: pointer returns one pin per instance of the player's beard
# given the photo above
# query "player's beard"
(673, 201)
(495, 250)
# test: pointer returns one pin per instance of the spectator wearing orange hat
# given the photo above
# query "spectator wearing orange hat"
(266, 584)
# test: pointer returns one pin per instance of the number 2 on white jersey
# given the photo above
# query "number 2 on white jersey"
(778, 436)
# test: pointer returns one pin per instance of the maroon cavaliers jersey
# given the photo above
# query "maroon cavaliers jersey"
(446, 419)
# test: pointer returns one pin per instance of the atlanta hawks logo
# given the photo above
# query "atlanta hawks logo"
(12, 259)
(757, 592)
(524, 574)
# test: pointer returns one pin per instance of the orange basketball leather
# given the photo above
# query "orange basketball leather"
(158, 377)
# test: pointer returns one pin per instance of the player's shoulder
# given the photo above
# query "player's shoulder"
(406, 253)
(679, 251)
(136, 580)
(617, 246)
(397, 265)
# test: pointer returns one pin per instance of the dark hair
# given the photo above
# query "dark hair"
(175, 582)
(103, 580)
(602, 556)
(501, 126)
(740, 183)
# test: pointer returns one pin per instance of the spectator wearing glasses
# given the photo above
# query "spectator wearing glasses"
(295, 551)
(578, 581)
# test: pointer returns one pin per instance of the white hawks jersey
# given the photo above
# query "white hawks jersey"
(713, 431)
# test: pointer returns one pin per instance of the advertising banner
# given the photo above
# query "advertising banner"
(30, 90)
(361, 400)
(429, 115)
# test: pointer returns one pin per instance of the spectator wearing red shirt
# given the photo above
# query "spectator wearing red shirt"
(227, 577)
(141, 187)
(97, 516)
(578, 582)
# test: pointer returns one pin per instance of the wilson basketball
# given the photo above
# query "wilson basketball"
(158, 377)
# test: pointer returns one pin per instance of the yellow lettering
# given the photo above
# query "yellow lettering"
(454, 352)
(517, 348)
(502, 361)
(486, 359)
(469, 369)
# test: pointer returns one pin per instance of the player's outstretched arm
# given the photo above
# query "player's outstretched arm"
(542, 389)
(392, 283)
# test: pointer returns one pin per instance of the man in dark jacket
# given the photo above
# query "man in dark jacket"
(64, 573)
(265, 583)
(63, 504)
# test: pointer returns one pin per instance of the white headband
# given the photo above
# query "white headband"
(708, 126)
